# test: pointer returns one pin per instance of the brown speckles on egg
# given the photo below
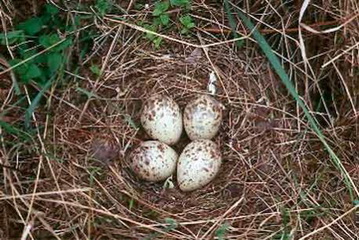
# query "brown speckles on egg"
(161, 147)
(162, 119)
(203, 117)
(198, 164)
(153, 161)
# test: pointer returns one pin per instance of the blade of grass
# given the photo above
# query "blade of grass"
(13, 130)
(276, 65)
(35, 102)
(232, 24)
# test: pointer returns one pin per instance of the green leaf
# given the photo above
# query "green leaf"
(28, 53)
(160, 8)
(184, 30)
(157, 42)
(48, 40)
(150, 36)
(221, 232)
(12, 37)
(103, 6)
(21, 69)
(40, 59)
(51, 10)
(152, 28)
(180, 3)
(31, 26)
(191, 25)
(165, 19)
(26, 71)
(64, 45)
(156, 12)
(54, 61)
(95, 69)
(157, 22)
(32, 72)
(187, 21)
(172, 224)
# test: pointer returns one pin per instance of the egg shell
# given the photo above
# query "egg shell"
(198, 164)
(202, 118)
(153, 161)
(162, 119)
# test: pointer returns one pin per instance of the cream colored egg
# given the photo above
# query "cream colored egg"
(202, 118)
(153, 161)
(162, 119)
(198, 164)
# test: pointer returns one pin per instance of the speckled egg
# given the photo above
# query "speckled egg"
(198, 164)
(202, 118)
(153, 161)
(162, 119)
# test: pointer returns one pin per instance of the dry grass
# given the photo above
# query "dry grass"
(276, 181)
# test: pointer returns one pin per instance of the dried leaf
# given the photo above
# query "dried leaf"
(194, 57)
(104, 150)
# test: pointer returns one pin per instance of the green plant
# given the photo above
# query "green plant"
(94, 171)
(161, 19)
(156, 40)
(160, 12)
(103, 7)
(95, 69)
(41, 50)
(39, 53)
(171, 224)
(187, 23)
(181, 3)
(221, 232)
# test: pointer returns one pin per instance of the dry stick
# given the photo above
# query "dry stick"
(330, 224)
(32, 57)
(330, 30)
(37, 175)
(256, 215)
(141, 29)
(104, 65)
(346, 88)
(339, 55)
(45, 193)
(269, 31)
(34, 190)
(108, 213)
(222, 217)
(205, 50)
(6, 38)
(115, 202)
(14, 191)
(44, 152)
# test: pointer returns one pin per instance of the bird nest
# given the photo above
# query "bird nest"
(258, 139)
(275, 178)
